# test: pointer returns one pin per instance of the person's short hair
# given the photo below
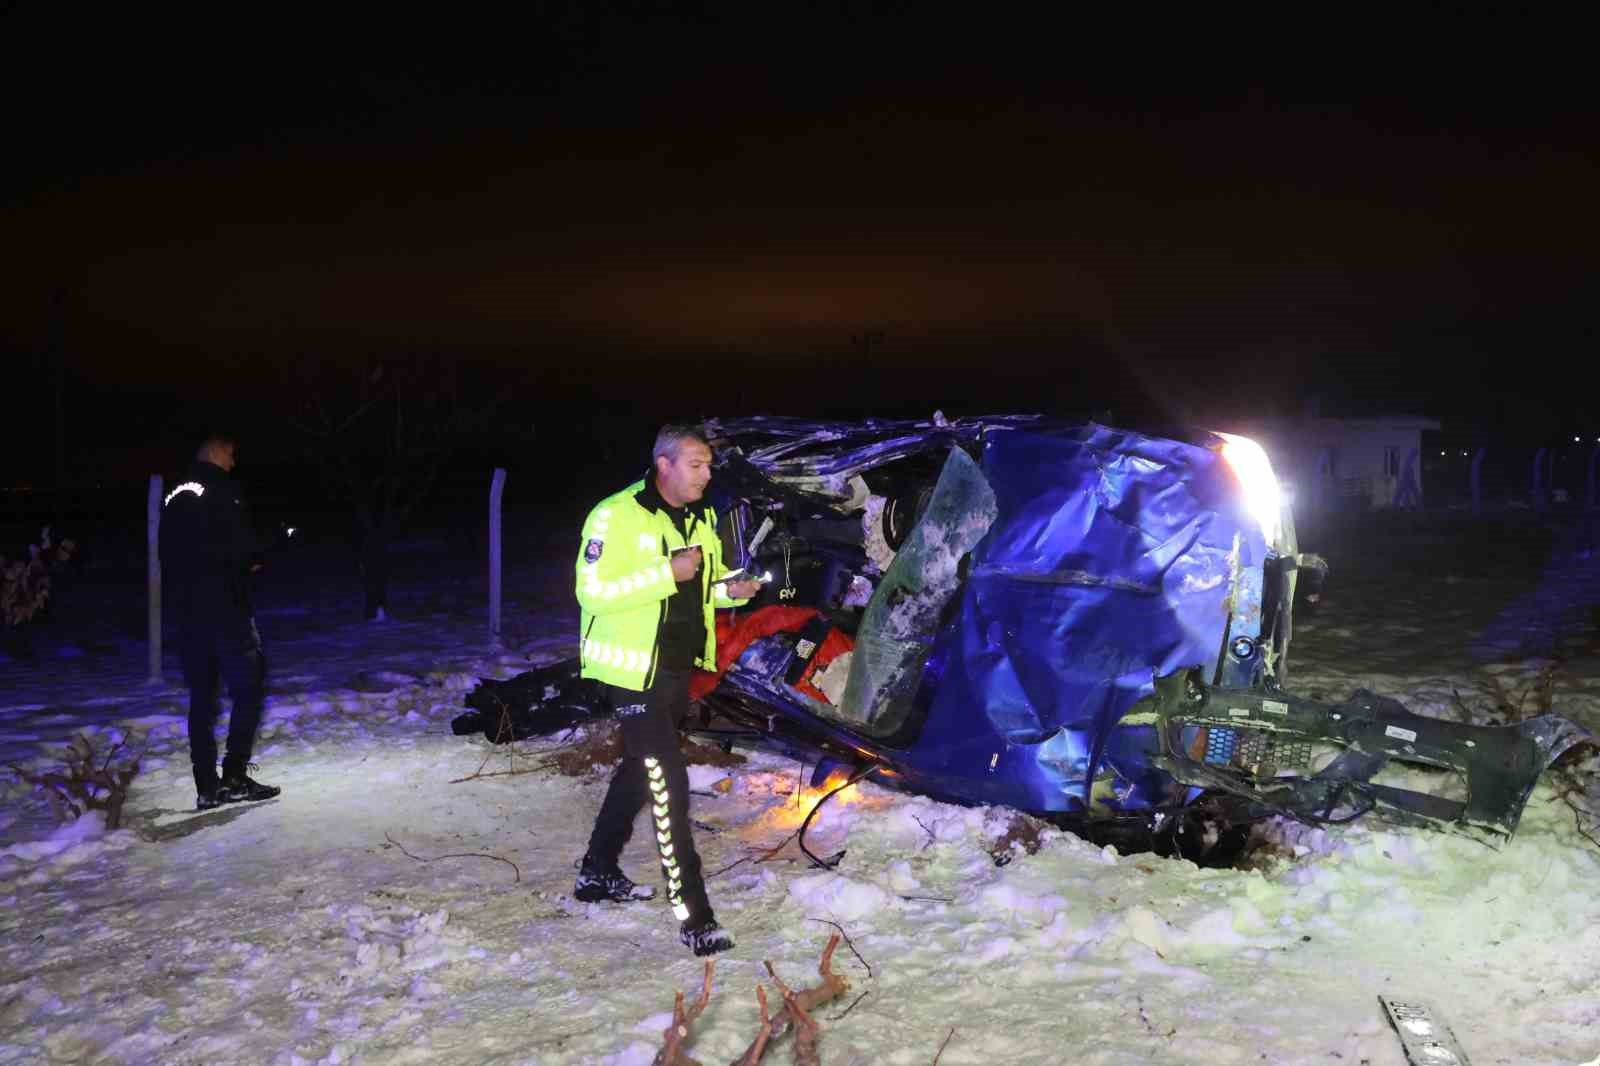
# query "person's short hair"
(217, 436)
(669, 442)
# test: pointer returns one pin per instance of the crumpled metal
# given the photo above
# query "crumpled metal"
(1112, 560)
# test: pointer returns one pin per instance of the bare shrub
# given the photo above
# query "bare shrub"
(88, 781)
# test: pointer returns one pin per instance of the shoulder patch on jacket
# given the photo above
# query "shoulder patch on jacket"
(592, 550)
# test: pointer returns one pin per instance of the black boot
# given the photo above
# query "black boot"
(206, 787)
(596, 883)
(238, 787)
(705, 937)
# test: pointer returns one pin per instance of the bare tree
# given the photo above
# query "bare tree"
(380, 434)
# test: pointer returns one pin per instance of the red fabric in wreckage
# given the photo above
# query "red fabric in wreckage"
(835, 644)
(733, 637)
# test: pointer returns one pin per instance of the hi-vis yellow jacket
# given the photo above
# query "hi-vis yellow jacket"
(624, 579)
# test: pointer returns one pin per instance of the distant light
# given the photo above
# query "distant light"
(1463, 455)
(1441, 455)
(1577, 440)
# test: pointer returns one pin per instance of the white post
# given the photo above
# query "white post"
(1589, 498)
(1477, 481)
(153, 540)
(496, 489)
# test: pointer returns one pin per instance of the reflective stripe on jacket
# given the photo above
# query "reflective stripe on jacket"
(624, 579)
(207, 543)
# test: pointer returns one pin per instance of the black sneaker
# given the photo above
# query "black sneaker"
(593, 886)
(239, 787)
(705, 938)
(207, 799)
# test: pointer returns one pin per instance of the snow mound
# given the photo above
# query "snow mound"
(404, 943)
(79, 841)
(838, 896)
(1005, 898)
(919, 821)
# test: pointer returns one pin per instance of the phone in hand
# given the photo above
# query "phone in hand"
(740, 575)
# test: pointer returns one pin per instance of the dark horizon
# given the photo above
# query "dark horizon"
(687, 212)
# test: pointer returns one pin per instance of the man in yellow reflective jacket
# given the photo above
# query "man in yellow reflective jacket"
(649, 580)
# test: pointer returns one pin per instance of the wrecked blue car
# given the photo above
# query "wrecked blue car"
(1077, 621)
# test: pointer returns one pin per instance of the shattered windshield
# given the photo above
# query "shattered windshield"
(904, 614)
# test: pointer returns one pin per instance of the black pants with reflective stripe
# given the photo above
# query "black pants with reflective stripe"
(211, 653)
(652, 776)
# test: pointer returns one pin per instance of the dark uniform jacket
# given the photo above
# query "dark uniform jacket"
(207, 546)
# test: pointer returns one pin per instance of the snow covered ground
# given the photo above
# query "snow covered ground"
(300, 930)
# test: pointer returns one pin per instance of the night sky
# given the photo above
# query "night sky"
(812, 211)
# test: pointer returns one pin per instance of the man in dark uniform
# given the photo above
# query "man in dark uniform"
(208, 551)
(649, 577)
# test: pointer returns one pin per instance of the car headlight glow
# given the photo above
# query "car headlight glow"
(1261, 494)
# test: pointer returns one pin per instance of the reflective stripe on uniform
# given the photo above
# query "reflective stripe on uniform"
(188, 486)
(664, 845)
